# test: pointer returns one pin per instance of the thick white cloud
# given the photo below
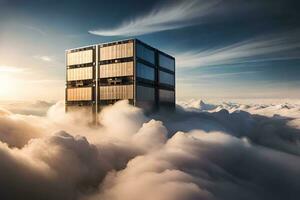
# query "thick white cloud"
(191, 154)
(15, 131)
(27, 108)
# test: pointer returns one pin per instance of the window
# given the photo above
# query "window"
(79, 94)
(145, 53)
(166, 96)
(146, 72)
(145, 93)
(166, 78)
(166, 62)
(145, 97)
(116, 92)
(80, 57)
(83, 73)
(116, 70)
(116, 51)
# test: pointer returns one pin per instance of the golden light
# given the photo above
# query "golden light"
(8, 81)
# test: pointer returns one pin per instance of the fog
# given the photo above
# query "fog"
(201, 151)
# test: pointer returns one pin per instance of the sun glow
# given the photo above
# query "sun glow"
(9, 69)
(8, 81)
(7, 85)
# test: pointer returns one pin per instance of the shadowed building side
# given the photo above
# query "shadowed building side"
(101, 74)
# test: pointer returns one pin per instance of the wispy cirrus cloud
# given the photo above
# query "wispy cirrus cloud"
(284, 46)
(222, 75)
(161, 18)
(44, 58)
(35, 29)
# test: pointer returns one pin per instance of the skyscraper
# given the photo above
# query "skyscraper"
(101, 74)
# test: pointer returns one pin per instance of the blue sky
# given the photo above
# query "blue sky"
(223, 49)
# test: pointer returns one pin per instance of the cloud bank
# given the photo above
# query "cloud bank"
(163, 17)
(39, 108)
(191, 154)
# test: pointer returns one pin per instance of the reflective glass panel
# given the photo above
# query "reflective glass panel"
(166, 62)
(166, 96)
(145, 53)
(166, 78)
(145, 93)
(146, 72)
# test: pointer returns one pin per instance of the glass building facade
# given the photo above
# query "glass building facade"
(99, 75)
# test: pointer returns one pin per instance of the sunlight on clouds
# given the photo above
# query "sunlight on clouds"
(166, 156)
(8, 84)
(18, 83)
(12, 69)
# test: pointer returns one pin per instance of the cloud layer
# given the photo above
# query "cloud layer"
(191, 154)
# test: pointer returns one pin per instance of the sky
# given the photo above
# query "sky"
(224, 49)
